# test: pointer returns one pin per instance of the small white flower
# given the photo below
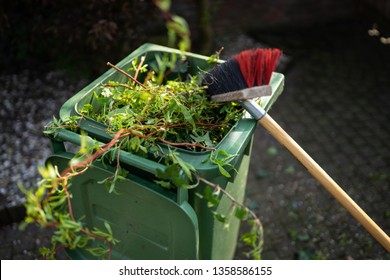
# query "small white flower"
(106, 92)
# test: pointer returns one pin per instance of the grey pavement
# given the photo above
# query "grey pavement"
(336, 105)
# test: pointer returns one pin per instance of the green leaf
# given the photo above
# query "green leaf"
(69, 224)
(187, 115)
(210, 197)
(223, 171)
(164, 184)
(108, 227)
(172, 175)
(272, 151)
(186, 167)
(249, 238)
(303, 237)
(98, 251)
(290, 170)
(241, 213)
(112, 186)
(134, 143)
(164, 5)
(220, 217)
(205, 138)
(56, 201)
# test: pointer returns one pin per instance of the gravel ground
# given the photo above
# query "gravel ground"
(29, 102)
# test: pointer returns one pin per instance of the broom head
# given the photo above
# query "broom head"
(247, 69)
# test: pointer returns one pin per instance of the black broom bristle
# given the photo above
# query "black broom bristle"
(224, 78)
(247, 69)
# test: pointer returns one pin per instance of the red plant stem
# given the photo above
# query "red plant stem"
(98, 153)
(118, 85)
(131, 132)
(138, 68)
(230, 197)
(67, 173)
(126, 74)
(185, 144)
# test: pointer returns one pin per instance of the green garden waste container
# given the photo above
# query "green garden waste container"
(150, 221)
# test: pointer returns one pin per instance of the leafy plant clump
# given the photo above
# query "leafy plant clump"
(152, 118)
(177, 113)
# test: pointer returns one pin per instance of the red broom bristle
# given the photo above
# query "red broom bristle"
(247, 67)
(257, 65)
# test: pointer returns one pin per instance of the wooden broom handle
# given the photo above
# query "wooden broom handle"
(332, 187)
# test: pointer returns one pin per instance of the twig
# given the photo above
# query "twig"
(148, 76)
(230, 197)
(139, 67)
(117, 85)
(185, 144)
(97, 154)
(126, 74)
(67, 173)
(256, 221)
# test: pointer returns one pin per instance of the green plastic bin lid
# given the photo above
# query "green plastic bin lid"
(150, 222)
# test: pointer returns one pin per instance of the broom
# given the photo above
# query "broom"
(252, 70)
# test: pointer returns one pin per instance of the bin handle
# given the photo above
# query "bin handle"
(125, 157)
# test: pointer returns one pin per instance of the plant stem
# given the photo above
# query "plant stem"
(94, 156)
(230, 197)
(69, 172)
(126, 74)
(118, 85)
(138, 68)
(185, 144)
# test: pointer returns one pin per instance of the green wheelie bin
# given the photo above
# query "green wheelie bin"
(150, 221)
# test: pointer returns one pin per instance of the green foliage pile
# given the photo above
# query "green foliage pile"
(176, 112)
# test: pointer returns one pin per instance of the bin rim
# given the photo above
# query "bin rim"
(70, 107)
